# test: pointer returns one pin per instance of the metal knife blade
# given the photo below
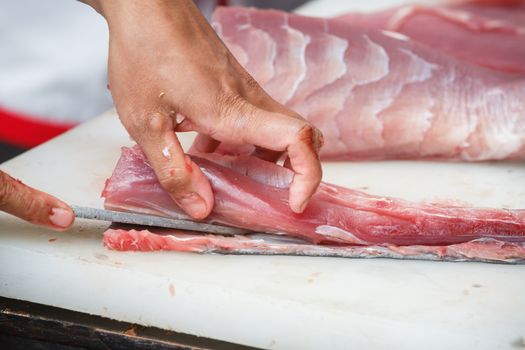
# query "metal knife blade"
(152, 220)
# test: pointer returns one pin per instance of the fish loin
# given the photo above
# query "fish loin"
(253, 194)
(488, 36)
(377, 94)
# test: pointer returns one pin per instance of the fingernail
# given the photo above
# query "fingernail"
(194, 205)
(61, 217)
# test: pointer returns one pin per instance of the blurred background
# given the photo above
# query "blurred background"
(53, 56)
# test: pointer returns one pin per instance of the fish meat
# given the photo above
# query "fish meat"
(252, 193)
(377, 94)
(489, 2)
(489, 36)
(482, 250)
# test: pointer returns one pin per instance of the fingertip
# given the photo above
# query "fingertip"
(298, 203)
(199, 201)
(303, 189)
(179, 176)
(61, 218)
(194, 205)
(204, 187)
(299, 208)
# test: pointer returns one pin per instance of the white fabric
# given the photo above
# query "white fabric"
(53, 56)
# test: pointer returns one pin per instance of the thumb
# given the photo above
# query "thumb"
(32, 205)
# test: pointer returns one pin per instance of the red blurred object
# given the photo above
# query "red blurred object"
(20, 130)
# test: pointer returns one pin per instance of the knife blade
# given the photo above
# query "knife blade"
(152, 220)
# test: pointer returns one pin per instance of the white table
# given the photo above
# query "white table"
(267, 301)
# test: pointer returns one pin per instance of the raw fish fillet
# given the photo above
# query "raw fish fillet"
(484, 250)
(253, 194)
(489, 36)
(377, 94)
(489, 2)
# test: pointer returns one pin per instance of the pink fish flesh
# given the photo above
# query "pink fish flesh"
(253, 194)
(377, 94)
(489, 36)
(483, 250)
(489, 3)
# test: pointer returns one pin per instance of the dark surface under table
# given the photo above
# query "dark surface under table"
(8, 151)
(28, 326)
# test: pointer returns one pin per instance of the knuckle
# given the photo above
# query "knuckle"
(251, 84)
(256, 94)
(17, 198)
(305, 134)
(230, 103)
(157, 123)
(34, 207)
(234, 112)
(6, 190)
(140, 124)
(310, 136)
(319, 138)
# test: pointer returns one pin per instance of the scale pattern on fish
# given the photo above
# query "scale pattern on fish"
(489, 36)
(377, 94)
(253, 194)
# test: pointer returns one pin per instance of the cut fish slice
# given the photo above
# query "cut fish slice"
(253, 194)
(483, 250)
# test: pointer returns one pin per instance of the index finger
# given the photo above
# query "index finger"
(178, 175)
(32, 205)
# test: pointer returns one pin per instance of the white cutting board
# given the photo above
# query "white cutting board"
(268, 301)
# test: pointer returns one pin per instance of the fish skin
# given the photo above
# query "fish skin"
(253, 194)
(396, 99)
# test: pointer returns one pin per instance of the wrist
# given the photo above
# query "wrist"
(127, 10)
(95, 4)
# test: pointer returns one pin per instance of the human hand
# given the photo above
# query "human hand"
(170, 72)
(32, 205)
